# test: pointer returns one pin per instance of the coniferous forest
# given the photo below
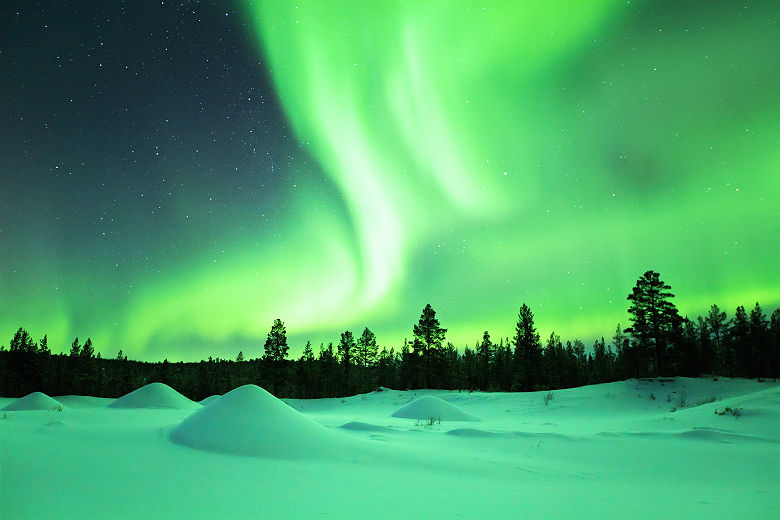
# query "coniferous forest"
(656, 342)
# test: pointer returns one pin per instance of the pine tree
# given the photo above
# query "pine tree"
(75, 348)
(346, 350)
(240, 356)
(739, 339)
(306, 372)
(428, 337)
(329, 370)
(707, 351)
(366, 352)
(601, 369)
(654, 319)
(87, 351)
(275, 353)
(774, 343)
(43, 346)
(276, 342)
(308, 353)
(553, 364)
(758, 334)
(22, 342)
(528, 352)
(717, 322)
(484, 359)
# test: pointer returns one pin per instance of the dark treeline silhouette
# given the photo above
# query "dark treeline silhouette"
(658, 342)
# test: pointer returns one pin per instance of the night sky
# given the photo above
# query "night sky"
(174, 176)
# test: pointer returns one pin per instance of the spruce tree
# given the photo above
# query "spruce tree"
(276, 342)
(366, 352)
(758, 334)
(739, 339)
(528, 352)
(275, 353)
(75, 348)
(774, 343)
(87, 351)
(717, 323)
(428, 335)
(707, 351)
(484, 359)
(346, 351)
(43, 346)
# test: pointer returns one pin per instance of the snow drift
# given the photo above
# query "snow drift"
(430, 407)
(209, 399)
(155, 395)
(251, 421)
(34, 401)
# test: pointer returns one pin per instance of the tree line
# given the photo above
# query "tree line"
(658, 342)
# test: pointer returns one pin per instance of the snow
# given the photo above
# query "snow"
(209, 399)
(251, 421)
(154, 395)
(605, 451)
(34, 401)
(431, 408)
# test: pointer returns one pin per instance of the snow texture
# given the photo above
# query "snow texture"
(209, 399)
(34, 401)
(431, 408)
(663, 448)
(155, 395)
(251, 421)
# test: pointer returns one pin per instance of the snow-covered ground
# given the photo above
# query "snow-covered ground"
(633, 449)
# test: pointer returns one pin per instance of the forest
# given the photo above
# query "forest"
(657, 342)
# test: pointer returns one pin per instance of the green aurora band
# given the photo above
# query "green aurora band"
(486, 154)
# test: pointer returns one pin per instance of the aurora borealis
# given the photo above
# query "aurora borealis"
(176, 176)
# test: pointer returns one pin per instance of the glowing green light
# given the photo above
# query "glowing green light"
(483, 155)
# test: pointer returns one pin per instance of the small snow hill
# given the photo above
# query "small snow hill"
(430, 407)
(155, 395)
(250, 421)
(34, 401)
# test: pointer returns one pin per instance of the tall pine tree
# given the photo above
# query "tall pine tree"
(654, 320)
(428, 335)
(275, 353)
(528, 352)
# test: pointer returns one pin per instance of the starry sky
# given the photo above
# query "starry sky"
(176, 175)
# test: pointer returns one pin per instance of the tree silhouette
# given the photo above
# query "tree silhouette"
(428, 335)
(485, 350)
(87, 351)
(717, 322)
(528, 352)
(758, 334)
(275, 353)
(276, 342)
(346, 350)
(365, 354)
(739, 341)
(654, 318)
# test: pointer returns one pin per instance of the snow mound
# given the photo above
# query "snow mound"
(428, 407)
(154, 395)
(209, 399)
(250, 421)
(34, 401)
(471, 432)
(364, 427)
